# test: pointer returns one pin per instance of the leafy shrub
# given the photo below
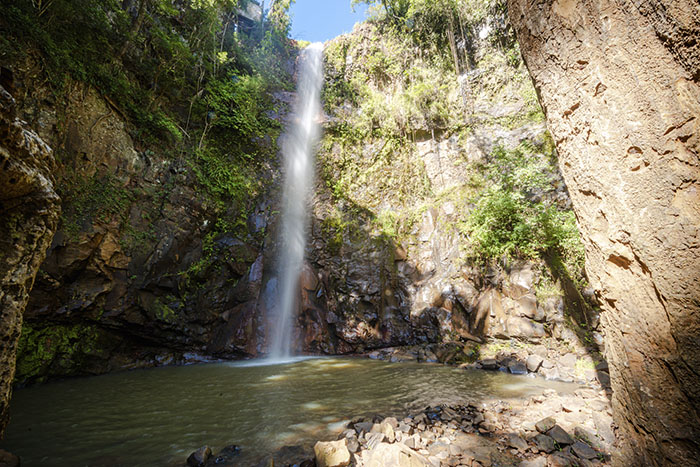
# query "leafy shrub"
(509, 219)
(228, 178)
(238, 105)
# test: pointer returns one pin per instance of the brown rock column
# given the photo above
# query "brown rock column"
(619, 84)
(29, 209)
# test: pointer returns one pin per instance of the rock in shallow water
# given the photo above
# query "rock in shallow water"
(7, 459)
(227, 454)
(517, 368)
(199, 457)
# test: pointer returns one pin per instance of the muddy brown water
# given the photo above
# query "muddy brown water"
(159, 416)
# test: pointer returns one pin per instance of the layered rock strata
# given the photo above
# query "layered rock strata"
(620, 85)
(29, 209)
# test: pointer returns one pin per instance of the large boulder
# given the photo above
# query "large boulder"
(29, 209)
(332, 453)
(620, 85)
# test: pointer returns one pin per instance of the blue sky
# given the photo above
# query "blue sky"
(320, 20)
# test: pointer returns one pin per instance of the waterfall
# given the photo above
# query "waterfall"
(298, 146)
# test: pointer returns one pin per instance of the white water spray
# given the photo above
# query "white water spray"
(298, 148)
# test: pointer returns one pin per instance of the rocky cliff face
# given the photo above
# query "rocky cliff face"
(138, 273)
(388, 259)
(620, 85)
(29, 209)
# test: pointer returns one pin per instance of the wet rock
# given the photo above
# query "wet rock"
(489, 364)
(200, 457)
(332, 453)
(363, 427)
(559, 435)
(544, 443)
(583, 450)
(546, 424)
(227, 454)
(517, 368)
(7, 459)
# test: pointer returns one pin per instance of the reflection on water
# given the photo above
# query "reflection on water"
(158, 416)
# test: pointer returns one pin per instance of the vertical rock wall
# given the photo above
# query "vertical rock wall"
(29, 209)
(620, 85)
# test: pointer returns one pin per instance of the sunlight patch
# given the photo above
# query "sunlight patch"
(312, 406)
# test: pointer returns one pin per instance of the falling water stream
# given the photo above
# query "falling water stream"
(298, 148)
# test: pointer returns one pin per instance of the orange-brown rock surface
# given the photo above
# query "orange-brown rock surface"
(29, 209)
(620, 85)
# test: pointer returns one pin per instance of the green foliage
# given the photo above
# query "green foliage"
(388, 223)
(91, 199)
(238, 105)
(162, 310)
(147, 56)
(510, 219)
(227, 178)
(447, 29)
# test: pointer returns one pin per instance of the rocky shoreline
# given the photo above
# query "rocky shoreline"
(549, 429)
(551, 359)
